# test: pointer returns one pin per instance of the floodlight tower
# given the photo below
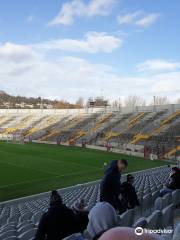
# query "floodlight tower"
(154, 103)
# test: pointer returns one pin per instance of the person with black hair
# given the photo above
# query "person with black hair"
(173, 183)
(81, 210)
(110, 188)
(58, 222)
(129, 193)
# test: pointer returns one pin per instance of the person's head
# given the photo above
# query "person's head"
(175, 170)
(126, 233)
(55, 198)
(80, 204)
(83, 202)
(122, 164)
(116, 166)
(102, 216)
(130, 178)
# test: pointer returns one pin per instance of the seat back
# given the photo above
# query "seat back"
(168, 216)
(76, 236)
(158, 204)
(176, 235)
(127, 218)
(176, 197)
(141, 222)
(154, 220)
(166, 200)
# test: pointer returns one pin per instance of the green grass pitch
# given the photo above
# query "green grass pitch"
(34, 168)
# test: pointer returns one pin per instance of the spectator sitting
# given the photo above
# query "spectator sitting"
(129, 192)
(80, 206)
(58, 222)
(101, 218)
(110, 188)
(174, 179)
(126, 233)
(174, 182)
(81, 211)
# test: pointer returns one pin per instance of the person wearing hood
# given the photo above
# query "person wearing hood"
(101, 218)
(173, 183)
(58, 222)
(129, 192)
(110, 188)
(80, 208)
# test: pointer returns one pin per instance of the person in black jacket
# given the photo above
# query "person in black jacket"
(110, 188)
(80, 208)
(129, 193)
(58, 222)
(174, 182)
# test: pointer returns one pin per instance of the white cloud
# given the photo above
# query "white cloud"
(15, 53)
(167, 84)
(71, 77)
(78, 8)
(128, 18)
(93, 42)
(148, 20)
(138, 18)
(100, 7)
(158, 65)
(164, 84)
(66, 78)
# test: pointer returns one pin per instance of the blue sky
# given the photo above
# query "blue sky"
(66, 49)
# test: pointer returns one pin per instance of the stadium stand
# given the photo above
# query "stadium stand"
(19, 218)
(152, 132)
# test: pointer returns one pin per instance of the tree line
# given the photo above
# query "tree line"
(9, 101)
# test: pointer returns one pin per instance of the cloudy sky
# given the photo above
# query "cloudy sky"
(69, 48)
